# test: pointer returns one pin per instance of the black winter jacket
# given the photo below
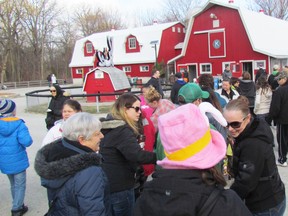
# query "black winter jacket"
(248, 89)
(279, 105)
(54, 112)
(72, 173)
(122, 155)
(257, 180)
(183, 192)
(175, 89)
(156, 84)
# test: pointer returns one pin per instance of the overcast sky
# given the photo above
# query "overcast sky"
(127, 7)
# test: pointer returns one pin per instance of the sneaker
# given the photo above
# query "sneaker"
(20, 212)
(281, 164)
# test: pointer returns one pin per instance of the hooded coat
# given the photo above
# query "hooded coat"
(257, 180)
(248, 89)
(122, 154)
(175, 89)
(54, 112)
(14, 138)
(74, 179)
(183, 192)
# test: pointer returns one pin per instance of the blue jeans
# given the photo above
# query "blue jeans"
(18, 187)
(122, 202)
(278, 210)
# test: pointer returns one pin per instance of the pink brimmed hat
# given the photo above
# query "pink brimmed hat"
(188, 141)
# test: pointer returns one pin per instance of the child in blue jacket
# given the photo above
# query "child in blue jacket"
(14, 138)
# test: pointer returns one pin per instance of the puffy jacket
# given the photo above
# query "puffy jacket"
(14, 138)
(257, 180)
(183, 192)
(122, 155)
(74, 179)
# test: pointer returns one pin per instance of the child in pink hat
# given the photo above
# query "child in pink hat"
(189, 184)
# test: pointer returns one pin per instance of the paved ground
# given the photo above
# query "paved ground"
(35, 194)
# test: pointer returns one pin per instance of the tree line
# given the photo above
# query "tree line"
(36, 39)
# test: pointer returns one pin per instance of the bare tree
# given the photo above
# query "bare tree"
(92, 20)
(10, 34)
(275, 8)
(38, 22)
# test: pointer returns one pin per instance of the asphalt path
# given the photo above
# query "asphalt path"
(36, 198)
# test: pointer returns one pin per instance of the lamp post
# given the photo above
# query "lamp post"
(154, 45)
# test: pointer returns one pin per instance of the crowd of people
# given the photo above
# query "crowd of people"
(155, 156)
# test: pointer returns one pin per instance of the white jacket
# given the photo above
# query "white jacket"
(262, 101)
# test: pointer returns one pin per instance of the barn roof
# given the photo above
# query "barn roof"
(118, 77)
(267, 35)
(144, 36)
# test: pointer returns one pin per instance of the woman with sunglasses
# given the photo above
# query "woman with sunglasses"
(54, 111)
(257, 180)
(121, 152)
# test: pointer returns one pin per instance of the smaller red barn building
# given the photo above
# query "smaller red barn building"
(133, 50)
(105, 80)
(222, 34)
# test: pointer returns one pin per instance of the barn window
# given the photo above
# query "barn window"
(132, 43)
(173, 29)
(89, 47)
(127, 69)
(79, 71)
(144, 68)
(260, 63)
(205, 68)
(179, 30)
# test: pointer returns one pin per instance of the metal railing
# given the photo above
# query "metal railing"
(39, 97)
(34, 83)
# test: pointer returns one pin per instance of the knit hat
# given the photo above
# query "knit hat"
(191, 92)
(188, 141)
(7, 107)
(281, 75)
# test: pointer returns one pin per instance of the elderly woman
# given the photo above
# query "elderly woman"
(257, 180)
(70, 169)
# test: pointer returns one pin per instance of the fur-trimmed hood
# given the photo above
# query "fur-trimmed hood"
(55, 173)
(111, 124)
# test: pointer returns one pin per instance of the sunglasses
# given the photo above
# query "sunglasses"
(137, 109)
(235, 124)
(52, 90)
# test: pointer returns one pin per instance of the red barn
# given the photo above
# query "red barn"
(105, 80)
(224, 34)
(132, 50)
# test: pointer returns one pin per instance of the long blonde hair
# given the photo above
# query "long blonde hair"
(126, 100)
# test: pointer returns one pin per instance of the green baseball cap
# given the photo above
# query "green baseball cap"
(191, 92)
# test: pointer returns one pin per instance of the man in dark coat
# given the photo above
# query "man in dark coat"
(278, 112)
(155, 82)
(271, 79)
(175, 88)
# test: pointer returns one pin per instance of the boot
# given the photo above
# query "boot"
(20, 212)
